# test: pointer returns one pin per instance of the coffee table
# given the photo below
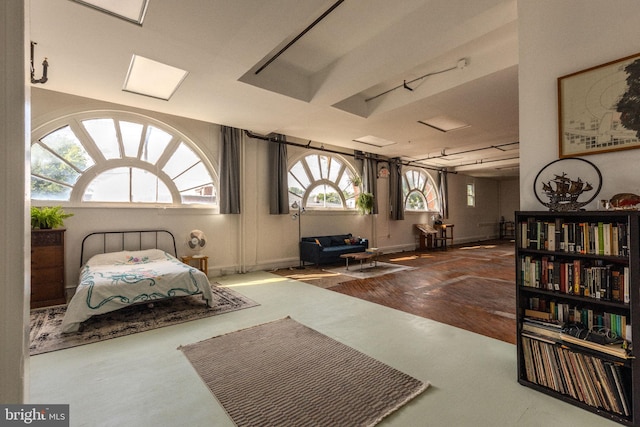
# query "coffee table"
(372, 256)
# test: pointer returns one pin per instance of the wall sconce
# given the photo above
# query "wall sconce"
(45, 65)
(297, 216)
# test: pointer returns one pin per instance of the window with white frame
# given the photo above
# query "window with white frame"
(471, 195)
(322, 181)
(118, 157)
(419, 191)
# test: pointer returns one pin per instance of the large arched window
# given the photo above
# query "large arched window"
(322, 181)
(118, 157)
(419, 191)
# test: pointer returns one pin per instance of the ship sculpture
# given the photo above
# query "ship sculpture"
(563, 192)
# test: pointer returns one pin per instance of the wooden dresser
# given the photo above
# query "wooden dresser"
(47, 267)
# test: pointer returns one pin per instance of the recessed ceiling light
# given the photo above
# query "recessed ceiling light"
(130, 10)
(151, 78)
(444, 123)
(374, 140)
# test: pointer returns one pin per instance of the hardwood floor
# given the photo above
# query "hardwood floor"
(469, 286)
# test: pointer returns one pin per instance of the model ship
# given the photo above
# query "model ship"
(566, 189)
(563, 192)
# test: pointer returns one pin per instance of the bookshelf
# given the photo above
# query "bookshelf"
(578, 308)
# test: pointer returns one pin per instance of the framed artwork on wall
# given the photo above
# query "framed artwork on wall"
(599, 108)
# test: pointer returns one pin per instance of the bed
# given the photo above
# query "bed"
(121, 268)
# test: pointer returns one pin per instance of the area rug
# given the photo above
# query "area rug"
(284, 373)
(45, 322)
(368, 270)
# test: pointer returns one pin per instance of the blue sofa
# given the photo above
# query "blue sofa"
(327, 249)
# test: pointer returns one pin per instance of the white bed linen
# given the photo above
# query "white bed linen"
(115, 280)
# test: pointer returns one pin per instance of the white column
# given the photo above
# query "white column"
(15, 232)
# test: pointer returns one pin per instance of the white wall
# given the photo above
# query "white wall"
(473, 223)
(557, 38)
(509, 198)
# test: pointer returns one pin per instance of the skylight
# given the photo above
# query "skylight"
(444, 123)
(151, 78)
(374, 140)
(130, 10)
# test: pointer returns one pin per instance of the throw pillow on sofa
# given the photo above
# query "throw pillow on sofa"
(337, 240)
(324, 241)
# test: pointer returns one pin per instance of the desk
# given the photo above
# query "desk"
(426, 236)
(203, 262)
(444, 233)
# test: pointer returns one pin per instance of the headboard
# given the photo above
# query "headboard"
(114, 241)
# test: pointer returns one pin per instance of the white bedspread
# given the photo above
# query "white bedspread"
(114, 280)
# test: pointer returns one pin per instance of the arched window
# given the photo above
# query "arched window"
(118, 157)
(419, 191)
(322, 181)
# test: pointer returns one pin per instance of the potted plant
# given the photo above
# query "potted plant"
(356, 182)
(48, 217)
(364, 203)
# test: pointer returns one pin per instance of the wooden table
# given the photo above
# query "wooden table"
(372, 256)
(203, 262)
(427, 233)
(445, 232)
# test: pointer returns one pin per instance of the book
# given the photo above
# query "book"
(538, 314)
(616, 350)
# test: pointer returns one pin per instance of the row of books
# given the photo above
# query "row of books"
(597, 238)
(576, 277)
(590, 339)
(596, 382)
(551, 310)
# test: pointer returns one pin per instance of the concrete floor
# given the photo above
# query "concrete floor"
(143, 380)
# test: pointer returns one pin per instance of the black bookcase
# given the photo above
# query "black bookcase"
(578, 308)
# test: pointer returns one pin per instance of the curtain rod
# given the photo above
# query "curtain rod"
(354, 155)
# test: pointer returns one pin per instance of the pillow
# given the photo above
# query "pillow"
(324, 241)
(127, 257)
(347, 241)
(337, 240)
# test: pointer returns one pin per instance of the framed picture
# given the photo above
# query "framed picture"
(599, 108)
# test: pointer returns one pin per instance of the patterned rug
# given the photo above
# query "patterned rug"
(285, 374)
(45, 322)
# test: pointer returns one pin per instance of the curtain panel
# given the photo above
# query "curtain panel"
(370, 180)
(444, 194)
(278, 176)
(231, 141)
(396, 199)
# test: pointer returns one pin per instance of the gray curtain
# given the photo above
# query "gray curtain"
(231, 140)
(444, 194)
(370, 180)
(395, 189)
(278, 177)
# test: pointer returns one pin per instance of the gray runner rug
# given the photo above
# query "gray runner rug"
(45, 323)
(283, 373)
